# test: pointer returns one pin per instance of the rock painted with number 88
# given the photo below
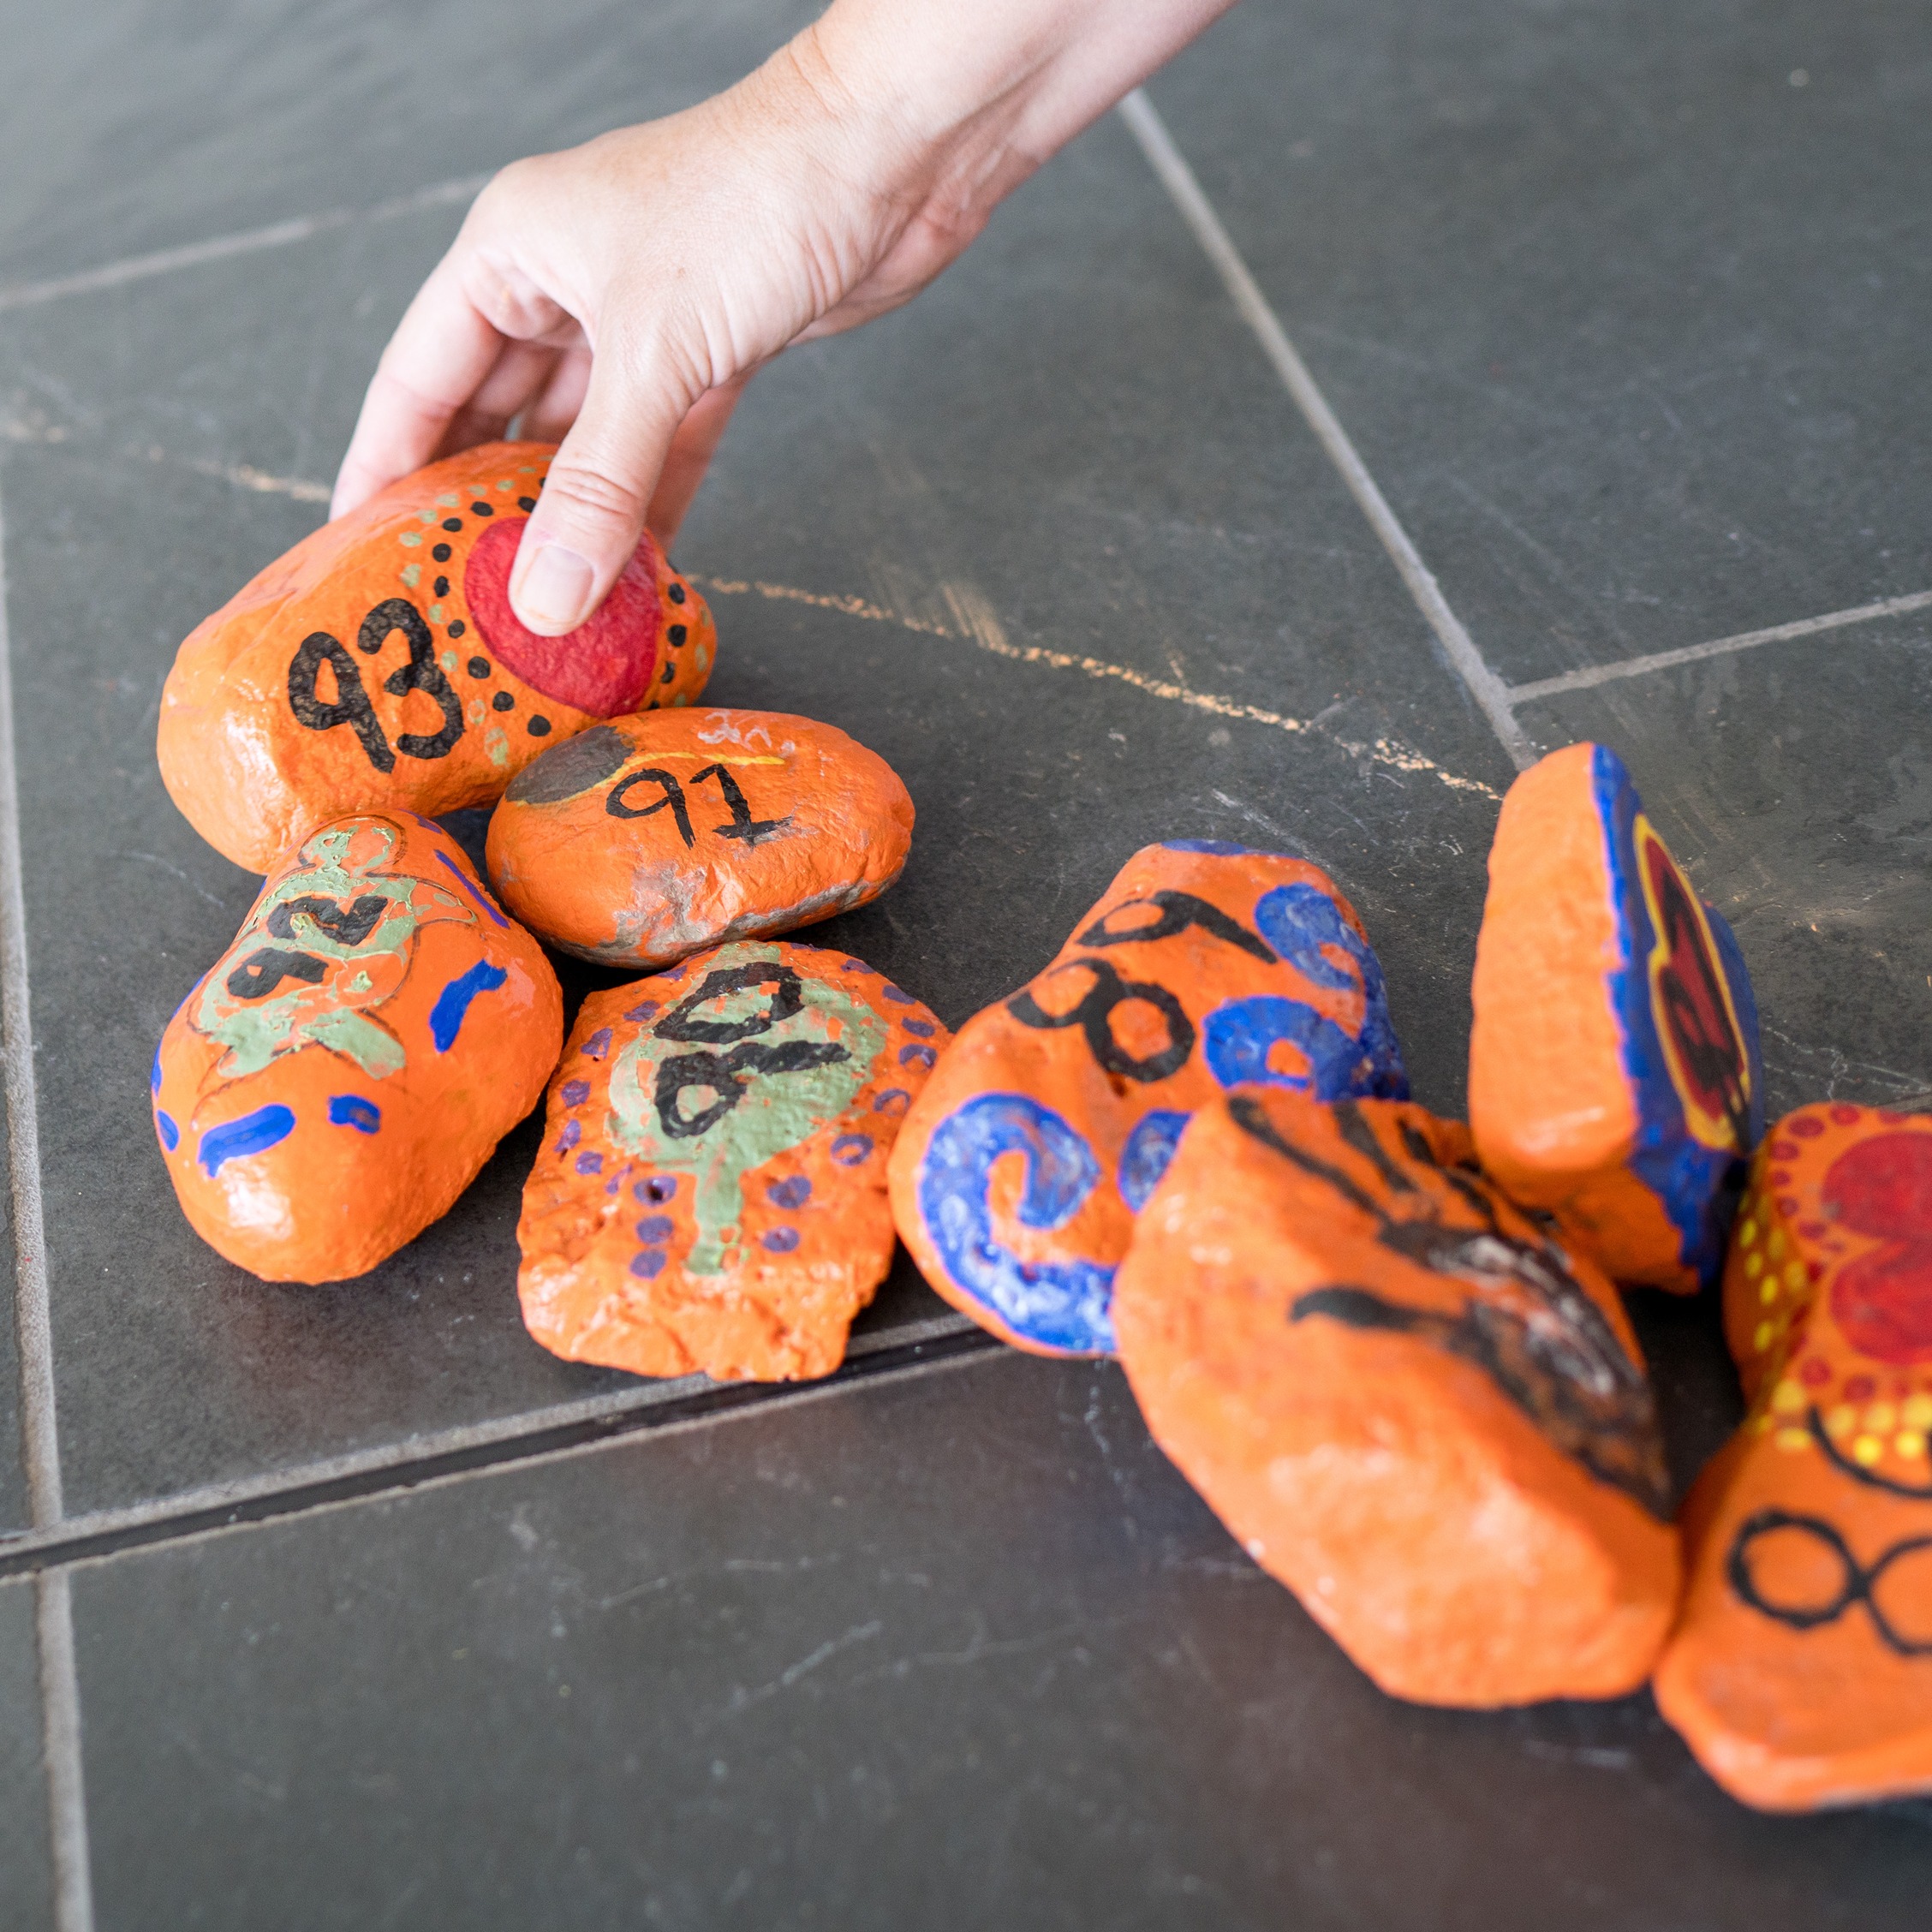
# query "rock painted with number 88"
(379, 663)
(711, 1194)
(1203, 967)
(339, 1076)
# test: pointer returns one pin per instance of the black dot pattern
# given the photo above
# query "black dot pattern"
(453, 522)
(479, 667)
(458, 629)
(526, 504)
(675, 635)
(539, 727)
(670, 672)
(676, 593)
(441, 554)
(481, 509)
(503, 702)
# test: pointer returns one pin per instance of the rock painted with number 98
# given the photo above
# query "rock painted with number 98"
(379, 665)
(650, 837)
(1407, 1401)
(711, 1194)
(1203, 967)
(339, 1076)
(1801, 1672)
(1614, 1074)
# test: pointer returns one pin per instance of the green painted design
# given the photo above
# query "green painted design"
(778, 1110)
(412, 574)
(435, 617)
(410, 538)
(448, 501)
(335, 1011)
(448, 660)
(496, 743)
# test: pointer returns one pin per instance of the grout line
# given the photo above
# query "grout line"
(1593, 675)
(40, 1440)
(60, 1690)
(1488, 690)
(60, 1716)
(689, 1402)
(277, 234)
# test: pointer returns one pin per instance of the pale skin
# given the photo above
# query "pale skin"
(617, 297)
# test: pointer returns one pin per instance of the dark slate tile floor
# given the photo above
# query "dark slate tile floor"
(1621, 320)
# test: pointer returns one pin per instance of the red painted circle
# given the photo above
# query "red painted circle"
(603, 667)
(1882, 1299)
(1844, 1116)
(1806, 1126)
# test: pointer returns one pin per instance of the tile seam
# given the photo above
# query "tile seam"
(60, 1689)
(222, 248)
(1591, 675)
(1492, 695)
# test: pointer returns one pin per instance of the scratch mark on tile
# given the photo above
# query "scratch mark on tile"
(859, 1633)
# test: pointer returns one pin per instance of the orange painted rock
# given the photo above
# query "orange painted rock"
(650, 838)
(378, 665)
(1801, 1673)
(1615, 1076)
(712, 1189)
(1410, 1405)
(337, 1078)
(1017, 1178)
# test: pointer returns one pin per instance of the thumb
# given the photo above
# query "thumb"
(590, 514)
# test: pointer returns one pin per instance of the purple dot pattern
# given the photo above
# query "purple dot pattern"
(590, 1163)
(575, 1091)
(641, 1012)
(850, 1149)
(660, 1188)
(917, 1056)
(922, 1029)
(893, 1101)
(898, 998)
(856, 966)
(654, 1228)
(647, 1265)
(597, 1046)
(793, 1191)
(573, 1132)
(780, 1240)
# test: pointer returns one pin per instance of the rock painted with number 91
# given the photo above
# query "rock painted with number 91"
(1801, 1671)
(1204, 966)
(340, 1074)
(650, 837)
(379, 665)
(711, 1193)
(1614, 1074)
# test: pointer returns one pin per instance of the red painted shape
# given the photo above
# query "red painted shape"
(1883, 1300)
(603, 667)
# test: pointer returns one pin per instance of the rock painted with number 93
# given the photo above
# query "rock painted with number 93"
(711, 1194)
(379, 663)
(340, 1074)
(1204, 966)
(1408, 1403)
(1614, 1074)
(650, 837)
(1801, 1672)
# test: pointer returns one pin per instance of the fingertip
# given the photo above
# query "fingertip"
(553, 588)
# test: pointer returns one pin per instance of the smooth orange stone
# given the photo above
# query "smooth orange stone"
(1801, 1674)
(339, 1076)
(1204, 965)
(378, 665)
(712, 1189)
(1410, 1405)
(650, 838)
(1615, 1076)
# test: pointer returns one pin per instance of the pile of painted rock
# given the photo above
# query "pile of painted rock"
(1388, 1349)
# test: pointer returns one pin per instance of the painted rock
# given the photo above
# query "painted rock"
(337, 1078)
(650, 838)
(1023, 1163)
(1409, 1404)
(1801, 1673)
(378, 665)
(711, 1194)
(1615, 1076)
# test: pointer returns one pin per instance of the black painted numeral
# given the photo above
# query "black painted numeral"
(352, 707)
(743, 826)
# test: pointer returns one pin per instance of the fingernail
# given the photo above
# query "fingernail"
(554, 594)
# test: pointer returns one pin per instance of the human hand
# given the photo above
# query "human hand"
(619, 296)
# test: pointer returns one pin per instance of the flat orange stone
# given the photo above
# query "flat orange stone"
(1801, 1674)
(1614, 1074)
(378, 665)
(339, 1076)
(650, 837)
(1411, 1406)
(1204, 965)
(711, 1194)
